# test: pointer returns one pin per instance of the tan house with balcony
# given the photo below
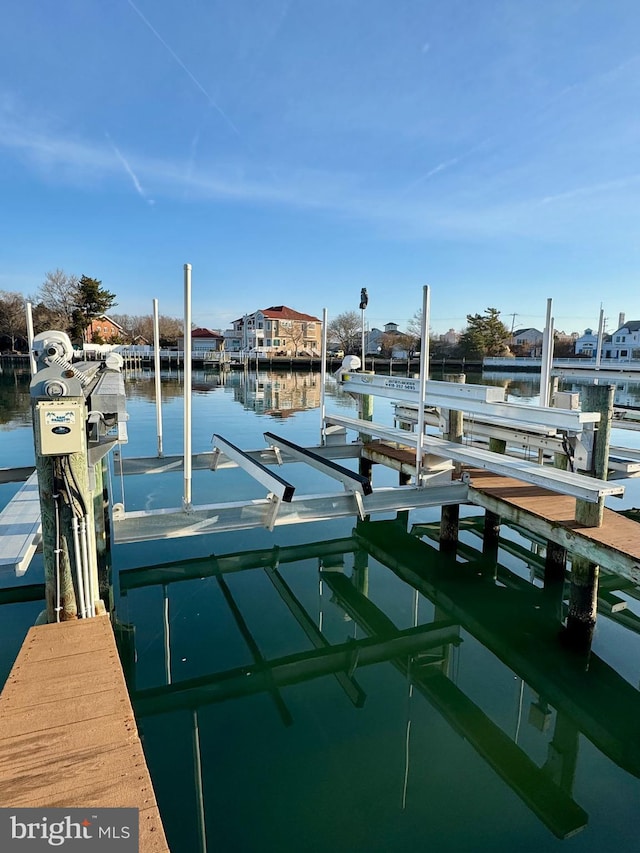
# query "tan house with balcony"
(278, 330)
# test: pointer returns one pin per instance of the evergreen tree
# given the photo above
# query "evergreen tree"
(485, 334)
(91, 301)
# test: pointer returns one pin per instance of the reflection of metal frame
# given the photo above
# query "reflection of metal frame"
(591, 702)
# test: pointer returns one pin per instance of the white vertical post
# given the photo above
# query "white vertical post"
(186, 500)
(424, 375)
(32, 358)
(156, 374)
(600, 338)
(323, 374)
(547, 345)
(363, 348)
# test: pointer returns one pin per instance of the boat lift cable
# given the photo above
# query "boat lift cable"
(568, 450)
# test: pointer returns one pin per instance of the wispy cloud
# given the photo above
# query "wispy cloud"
(186, 70)
(591, 189)
(466, 212)
(129, 171)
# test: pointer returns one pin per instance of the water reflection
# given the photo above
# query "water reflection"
(313, 630)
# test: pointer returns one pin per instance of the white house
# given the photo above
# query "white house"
(529, 341)
(624, 343)
(586, 344)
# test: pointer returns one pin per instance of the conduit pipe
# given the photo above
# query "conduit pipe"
(85, 566)
(78, 565)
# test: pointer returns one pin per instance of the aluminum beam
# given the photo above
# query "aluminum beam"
(204, 461)
(567, 483)
(349, 479)
(407, 390)
(275, 484)
(172, 523)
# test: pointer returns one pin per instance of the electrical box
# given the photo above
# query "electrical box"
(60, 427)
(566, 400)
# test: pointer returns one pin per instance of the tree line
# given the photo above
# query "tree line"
(484, 335)
(69, 303)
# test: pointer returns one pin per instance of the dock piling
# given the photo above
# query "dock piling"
(450, 515)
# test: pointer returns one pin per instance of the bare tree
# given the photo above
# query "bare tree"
(141, 326)
(346, 329)
(13, 318)
(58, 293)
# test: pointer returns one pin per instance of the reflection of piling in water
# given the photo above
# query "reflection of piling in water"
(515, 621)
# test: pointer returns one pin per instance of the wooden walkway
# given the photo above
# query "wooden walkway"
(68, 736)
(617, 533)
(615, 545)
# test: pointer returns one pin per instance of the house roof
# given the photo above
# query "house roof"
(104, 317)
(283, 312)
(204, 333)
(632, 325)
(522, 331)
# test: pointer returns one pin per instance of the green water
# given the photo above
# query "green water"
(345, 687)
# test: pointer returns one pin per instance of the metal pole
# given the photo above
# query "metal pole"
(323, 374)
(167, 633)
(545, 366)
(156, 374)
(186, 500)
(197, 770)
(424, 373)
(32, 358)
(363, 353)
(600, 338)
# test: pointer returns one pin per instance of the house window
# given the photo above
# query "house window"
(624, 353)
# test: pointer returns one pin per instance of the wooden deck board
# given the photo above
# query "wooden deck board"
(68, 736)
(617, 532)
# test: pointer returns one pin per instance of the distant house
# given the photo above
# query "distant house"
(527, 342)
(104, 330)
(451, 337)
(278, 330)
(586, 344)
(379, 339)
(203, 340)
(624, 343)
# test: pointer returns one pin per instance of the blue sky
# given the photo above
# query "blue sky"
(294, 151)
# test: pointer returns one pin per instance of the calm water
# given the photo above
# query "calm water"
(343, 687)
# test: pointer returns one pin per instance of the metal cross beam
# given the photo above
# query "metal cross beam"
(349, 479)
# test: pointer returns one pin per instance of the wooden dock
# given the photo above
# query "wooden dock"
(68, 736)
(615, 545)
